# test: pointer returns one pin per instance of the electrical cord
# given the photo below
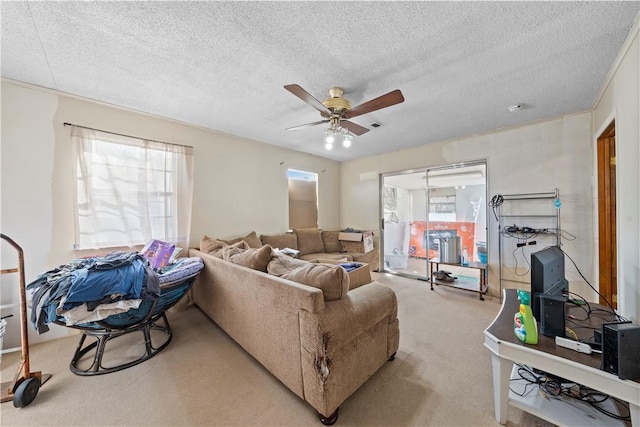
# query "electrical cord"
(550, 385)
(515, 271)
(523, 235)
(581, 304)
(572, 332)
(579, 325)
(526, 233)
(613, 311)
(586, 394)
(529, 381)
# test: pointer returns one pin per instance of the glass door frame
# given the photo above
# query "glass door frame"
(383, 255)
(433, 170)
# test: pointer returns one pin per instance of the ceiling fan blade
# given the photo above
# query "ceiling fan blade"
(308, 125)
(306, 97)
(354, 128)
(386, 100)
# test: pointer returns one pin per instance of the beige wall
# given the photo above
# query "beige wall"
(529, 159)
(621, 101)
(240, 185)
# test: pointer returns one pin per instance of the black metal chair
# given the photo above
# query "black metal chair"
(148, 317)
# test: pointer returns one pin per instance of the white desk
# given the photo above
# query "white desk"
(582, 368)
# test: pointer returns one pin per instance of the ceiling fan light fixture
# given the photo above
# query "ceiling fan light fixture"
(346, 140)
(329, 138)
(337, 110)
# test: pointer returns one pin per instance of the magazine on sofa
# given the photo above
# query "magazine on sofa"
(159, 253)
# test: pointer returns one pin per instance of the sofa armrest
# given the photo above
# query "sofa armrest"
(346, 343)
(343, 320)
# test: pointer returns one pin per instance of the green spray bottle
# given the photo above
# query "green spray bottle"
(524, 324)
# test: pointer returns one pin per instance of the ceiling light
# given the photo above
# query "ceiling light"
(346, 141)
(335, 130)
(514, 108)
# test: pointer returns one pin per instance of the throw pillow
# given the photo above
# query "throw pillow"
(280, 241)
(331, 242)
(333, 280)
(309, 241)
(281, 264)
(251, 239)
(230, 250)
(254, 258)
(209, 245)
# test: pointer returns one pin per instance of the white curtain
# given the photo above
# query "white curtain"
(130, 190)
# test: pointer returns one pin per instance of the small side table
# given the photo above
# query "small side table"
(478, 285)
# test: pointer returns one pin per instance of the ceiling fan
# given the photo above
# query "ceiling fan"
(337, 110)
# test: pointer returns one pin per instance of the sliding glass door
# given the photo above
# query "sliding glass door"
(404, 198)
(419, 208)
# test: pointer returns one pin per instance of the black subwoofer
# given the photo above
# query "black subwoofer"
(552, 316)
(621, 350)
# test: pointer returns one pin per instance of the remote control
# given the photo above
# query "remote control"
(573, 345)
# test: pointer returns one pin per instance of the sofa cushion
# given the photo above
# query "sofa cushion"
(226, 252)
(333, 280)
(331, 242)
(281, 264)
(324, 255)
(210, 245)
(309, 240)
(251, 239)
(280, 241)
(254, 258)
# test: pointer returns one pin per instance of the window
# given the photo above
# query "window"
(130, 190)
(303, 199)
(442, 207)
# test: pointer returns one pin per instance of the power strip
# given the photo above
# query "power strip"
(578, 346)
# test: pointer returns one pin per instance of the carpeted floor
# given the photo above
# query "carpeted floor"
(441, 377)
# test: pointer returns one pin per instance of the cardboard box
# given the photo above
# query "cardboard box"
(358, 277)
(365, 240)
(352, 237)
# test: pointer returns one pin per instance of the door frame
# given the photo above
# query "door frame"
(607, 214)
(381, 213)
(426, 170)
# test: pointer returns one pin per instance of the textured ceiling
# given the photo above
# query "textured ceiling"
(223, 65)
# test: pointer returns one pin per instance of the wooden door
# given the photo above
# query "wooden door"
(606, 147)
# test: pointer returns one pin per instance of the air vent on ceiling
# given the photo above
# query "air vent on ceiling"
(375, 125)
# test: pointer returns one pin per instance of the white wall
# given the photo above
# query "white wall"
(621, 100)
(240, 185)
(534, 158)
(27, 159)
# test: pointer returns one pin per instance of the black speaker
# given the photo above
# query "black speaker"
(621, 350)
(552, 315)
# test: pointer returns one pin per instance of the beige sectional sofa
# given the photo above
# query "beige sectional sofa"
(299, 319)
(317, 244)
